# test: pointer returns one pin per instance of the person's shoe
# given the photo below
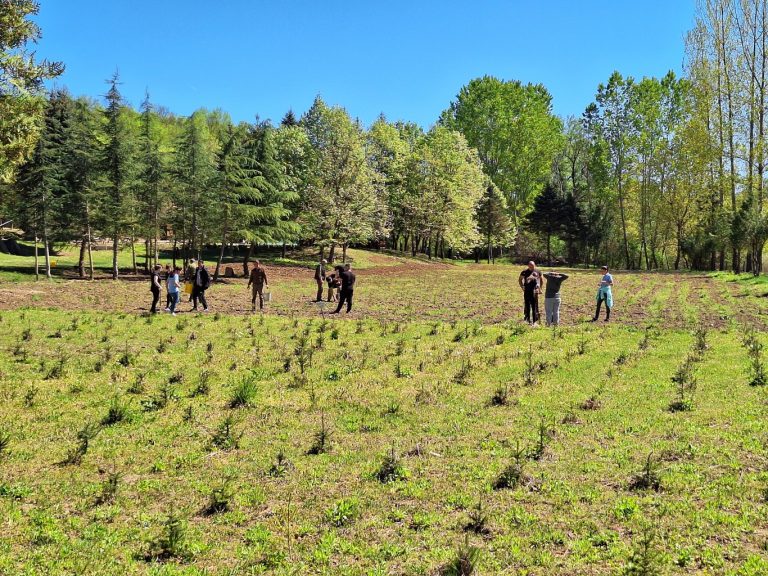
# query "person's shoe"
(593, 320)
(205, 309)
(607, 320)
(166, 309)
(173, 313)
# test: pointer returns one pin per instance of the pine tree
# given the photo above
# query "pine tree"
(149, 190)
(41, 182)
(116, 165)
(493, 221)
(82, 175)
(548, 216)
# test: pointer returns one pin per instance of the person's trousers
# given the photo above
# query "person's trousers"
(603, 298)
(319, 290)
(174, 298)
(155, 299)
(552, 311)
(167, 300)
(198, 293)
(258, 291)
(531, 307)
(345, 296)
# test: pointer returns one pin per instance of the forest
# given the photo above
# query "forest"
(657, 173)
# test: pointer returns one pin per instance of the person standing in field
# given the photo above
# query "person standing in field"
(320, 278)
(552, 297)
(154, 287)
(530, 284)
(604, 294)
(347, 287)
(333, 287)
(257, 279)
(168, 273)
(173, 286)
(202, 281)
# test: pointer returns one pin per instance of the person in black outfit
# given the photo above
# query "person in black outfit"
(202, 281)
(530, 283)
(347, 287)
(154, 287)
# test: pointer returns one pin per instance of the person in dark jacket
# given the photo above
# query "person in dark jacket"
(347, 278)
(320, 278)
(530, 283)
(258, 280)
(202, 281)
(154, 287)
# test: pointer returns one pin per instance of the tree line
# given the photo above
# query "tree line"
(657, 173)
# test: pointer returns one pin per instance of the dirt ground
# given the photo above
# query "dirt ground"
(396, 290)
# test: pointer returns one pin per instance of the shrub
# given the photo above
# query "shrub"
(225, 437)
(465, 562)
(280, 466)
(321, 439)
(343, 512)
(391, 468)
(645, 559)
(244, 393)
(5, 443)
(220, 498)
(172, 541)
(109, 488)
(648, 478)
(84, 437)
(118, 411)
(478, 519)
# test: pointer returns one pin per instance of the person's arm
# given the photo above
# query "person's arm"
(266, 282)
(520, 281)
(250, 279)
(563, 276)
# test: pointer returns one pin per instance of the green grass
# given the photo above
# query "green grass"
(398, 396)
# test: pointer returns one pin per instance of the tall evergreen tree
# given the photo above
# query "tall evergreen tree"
(493, 222)
(117, 169)
(150, 193)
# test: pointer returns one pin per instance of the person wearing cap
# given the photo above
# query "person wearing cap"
(257, 279)
(552, 297)
(604, 294)
(320, 278)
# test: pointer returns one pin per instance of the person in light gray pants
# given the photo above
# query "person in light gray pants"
(552, 297)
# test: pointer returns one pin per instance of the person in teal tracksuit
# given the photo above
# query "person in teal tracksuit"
(604, 294)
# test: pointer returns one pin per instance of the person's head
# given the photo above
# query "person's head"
(157, 267)
(531, 265)
(167, 266)
(604, 269)
(200, 264)
(323, 261)
(257, 264)
(177, 268)
(347, 266)
(339, 268)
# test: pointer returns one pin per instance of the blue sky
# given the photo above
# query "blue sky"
(406, 59)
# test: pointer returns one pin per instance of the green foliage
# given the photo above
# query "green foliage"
(391, 468)
(645, 559)
(343, 512)
(244, 393)
(465, 561)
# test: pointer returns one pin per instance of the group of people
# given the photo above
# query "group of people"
(531, 281)
(197, 275)
(341, 284)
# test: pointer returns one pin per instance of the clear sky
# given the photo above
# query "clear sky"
(404, 58)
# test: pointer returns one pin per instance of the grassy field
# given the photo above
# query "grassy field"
(416, 442)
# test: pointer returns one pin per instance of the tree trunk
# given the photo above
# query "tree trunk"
(332, 252)
(37, 259)
(133, 254)
(221, 258)
(90, 252)
(282, 252)
(115, 246)
(47, 253)
(247, 258)
(344, 253)
(81, 258)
